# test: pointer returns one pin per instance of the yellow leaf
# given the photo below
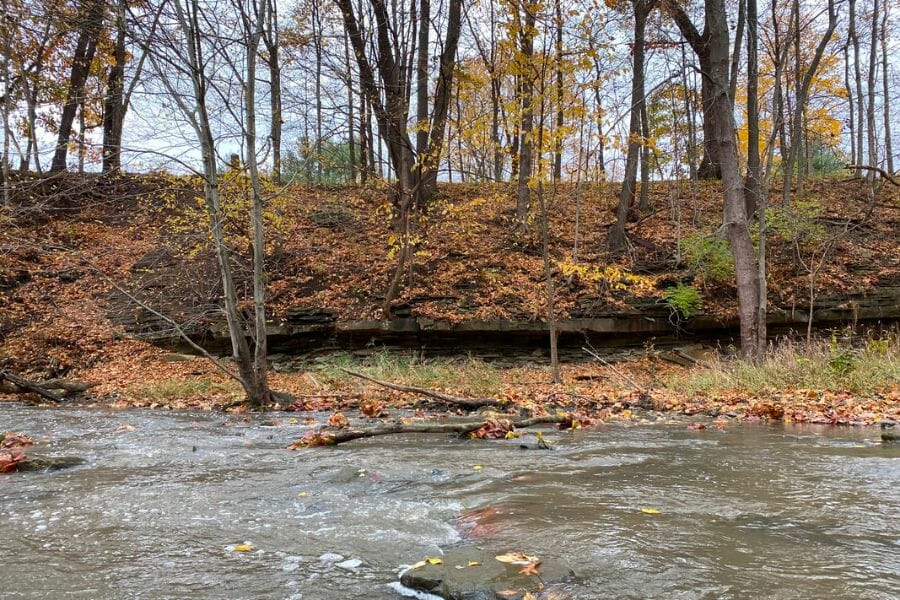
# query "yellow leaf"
(516, 558)
(244, 548)
(650, 511)
(303, 494)
(477, 467)
(434, 561)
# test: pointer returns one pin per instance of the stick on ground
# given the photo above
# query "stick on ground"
(466, 403)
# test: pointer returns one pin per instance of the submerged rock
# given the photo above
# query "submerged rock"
(475, 574)
(49, 463)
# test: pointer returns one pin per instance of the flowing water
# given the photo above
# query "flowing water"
(155, 512)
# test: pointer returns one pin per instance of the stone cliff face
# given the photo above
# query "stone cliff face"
(302, 330)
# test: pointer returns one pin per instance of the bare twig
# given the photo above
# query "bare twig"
(467, 403)
(887, 176)
(614, 370)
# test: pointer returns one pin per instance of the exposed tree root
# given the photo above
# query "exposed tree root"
(466, 403)
(333, 438)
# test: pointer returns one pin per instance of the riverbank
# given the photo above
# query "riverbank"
(830, 382)
(77, 251)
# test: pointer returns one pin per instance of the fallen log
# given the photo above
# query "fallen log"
(13, 384)
(333, 438)
(466, 403)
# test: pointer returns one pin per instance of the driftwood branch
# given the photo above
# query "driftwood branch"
(466, 403)
(20, 385)
(13, 384)
(346, 435)
(887, 176)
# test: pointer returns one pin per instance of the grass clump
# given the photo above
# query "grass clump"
(467, 376)
(826, 365)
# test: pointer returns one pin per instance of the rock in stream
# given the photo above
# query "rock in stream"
(458, 577)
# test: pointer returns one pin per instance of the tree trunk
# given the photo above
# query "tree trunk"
(351, 141)
(560, 112)
(719, 120)
(644, 202)
(710, 167)
(260, 394)
(888, 150)
(873, 74)
(272, 41)
(422, 76)
(526, 99)
(318, 37)
(615, 239)
(114, 105)
(751, 185)
(860, 103)
(90, 18)
(850, 108)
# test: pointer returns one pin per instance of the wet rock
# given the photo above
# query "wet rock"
(50, 463)
(453, 579)
(346, 475)
(351, 564)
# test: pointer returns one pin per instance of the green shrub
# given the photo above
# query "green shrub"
(684, 300)
(709, 257)
(842, 358)
(798, 222)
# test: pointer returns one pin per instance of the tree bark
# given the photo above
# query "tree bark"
(527, 32)
(751, 185)
(560, 95)
(873, 75)
(272, 42)
(860, 103)
(888, 150)
(719, 122)
(616, 240)
(114, 105)
(254, 27)
(90, 17)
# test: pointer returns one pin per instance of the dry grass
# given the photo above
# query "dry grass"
(832, 365)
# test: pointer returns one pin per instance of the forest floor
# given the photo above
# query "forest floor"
(66, 244)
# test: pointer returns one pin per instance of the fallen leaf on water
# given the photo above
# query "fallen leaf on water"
(244, 548)
(14, 440)
(530, 569)
(477, 467)
(338, 421)
(651, 511)
(471, 563)
(10, 460)
(125, 427)
(517, 558)
(303, 494)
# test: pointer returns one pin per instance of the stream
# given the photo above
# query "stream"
(751, 511)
